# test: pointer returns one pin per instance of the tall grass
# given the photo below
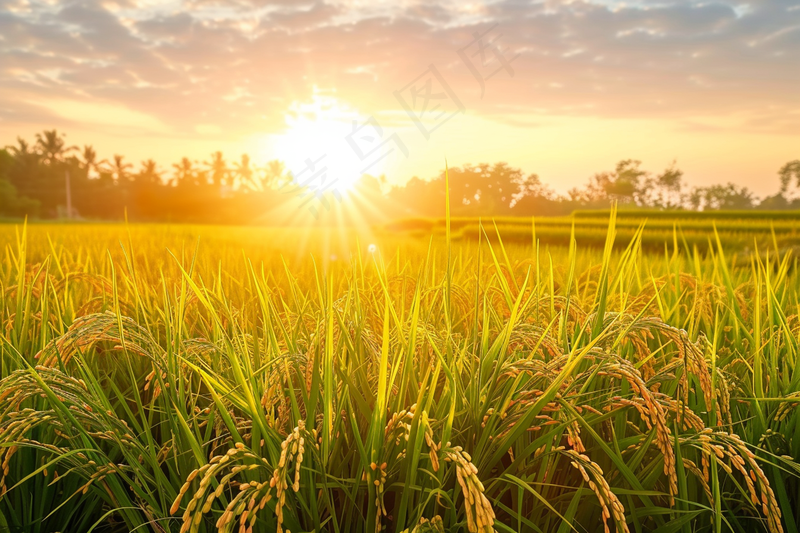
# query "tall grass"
(151, 382)
(692, 229)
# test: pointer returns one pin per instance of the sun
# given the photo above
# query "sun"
(315, 145)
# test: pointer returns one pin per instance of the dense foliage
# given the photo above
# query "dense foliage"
(239, 385)
(36, 179)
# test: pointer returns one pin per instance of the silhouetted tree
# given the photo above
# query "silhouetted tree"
(537, 199)
(728, 196)
(149, 173)
(273, 176)
(218, 168)
(184, 173)
(478, 190)
(626, 185)
(25, 170)
(484, 188)
(23, 151)
(668, 188)
(89, 161)
(243, 173)
(789, 173)
(53, 146)
(629, 184)
(119, 169)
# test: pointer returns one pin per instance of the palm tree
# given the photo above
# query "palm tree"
(54, 149)
(25, 174)
(220, 173)
(89, 160)
(200, 176)
(244, 171)
(52, 146)
(23, 150)
(149, 173)
(274, 175)
(120, 169)
(184, 172)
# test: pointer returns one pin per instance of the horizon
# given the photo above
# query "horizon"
(571, 89)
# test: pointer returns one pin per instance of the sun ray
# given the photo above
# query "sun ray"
(315, 145)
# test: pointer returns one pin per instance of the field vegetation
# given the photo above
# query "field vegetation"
(187, 378)
(737, 230)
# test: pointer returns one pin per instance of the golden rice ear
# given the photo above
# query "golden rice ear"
(593, 476)
(787, 407)
(651, 410)
(479, 511)
(729, 445)
(250, 496)
(87, 415)
(434, 525)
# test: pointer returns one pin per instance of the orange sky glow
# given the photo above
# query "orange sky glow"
(561, 89)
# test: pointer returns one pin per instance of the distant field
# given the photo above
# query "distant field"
(169, 378)
(736, 229)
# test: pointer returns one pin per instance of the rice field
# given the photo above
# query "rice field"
(199, 379)
(737, 230)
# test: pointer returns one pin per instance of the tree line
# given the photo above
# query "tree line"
(51, 179)
(48, 178)
(503, 190)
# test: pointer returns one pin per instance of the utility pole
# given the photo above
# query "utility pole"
(69, 197)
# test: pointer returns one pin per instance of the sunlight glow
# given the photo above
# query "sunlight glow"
(315, 148)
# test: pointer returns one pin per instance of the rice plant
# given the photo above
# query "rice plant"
(194, 379)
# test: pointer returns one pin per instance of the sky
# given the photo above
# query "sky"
(560, 89)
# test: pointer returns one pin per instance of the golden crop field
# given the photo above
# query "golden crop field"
(198, 378)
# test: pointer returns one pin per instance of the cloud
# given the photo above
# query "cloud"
(92, 113)
(239, 66)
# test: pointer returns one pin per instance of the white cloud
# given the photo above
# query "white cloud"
(232, 63)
